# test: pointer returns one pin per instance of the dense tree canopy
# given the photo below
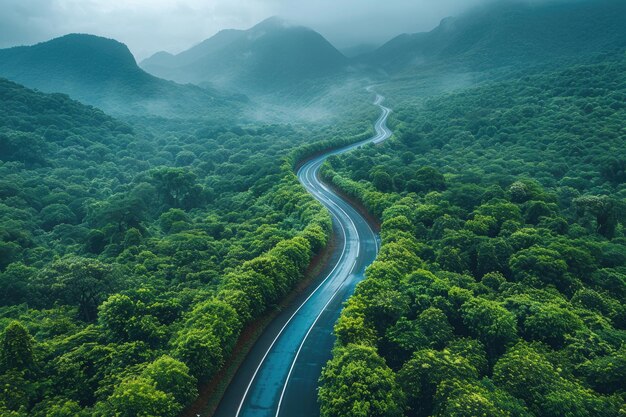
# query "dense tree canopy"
(499, 286)
(132, 254)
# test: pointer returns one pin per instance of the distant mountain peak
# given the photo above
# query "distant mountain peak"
(76, 53)
(84, 36)
(97, 71)
(271, 55)
(162, 54)
(87, 42)
(274, 22)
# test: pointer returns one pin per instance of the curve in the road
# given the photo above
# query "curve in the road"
(279, 376)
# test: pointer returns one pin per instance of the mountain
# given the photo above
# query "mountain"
(509, 34)
(361, 49)
(103, 72)
(273, 55)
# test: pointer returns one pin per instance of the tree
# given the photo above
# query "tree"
(177, 187)
(77, 281)
(218, 316)
(456, 398)
(14, 284)
(384, 303)
(491, 323)
(614, 170)
(61, 408)
(592, 300)
(420, 376)
(257, 288)
(520, 192)
(184, 158)
(501, 210)
(139, 397)
(393, 225)
(525, 374)
(453, 259)
(606, 374)
(434, 325)
(96, 242)
(132, 238)
(401, 253)
(23, 146)
(552, 324)
(382, 181)
(544, 265)
(277, 272)
(9, 252)
(606, 210)
(121, 210)
(472, 350)
(201, 351)
(16, 392)
(170, 217)
(172, 376)
(492, 255)
(482, 225)
(352, 328)
(493, 280)
(16, 348)
(535, 210)
(429, 179)
(401, 340)
(357, 383)
(529, 376)
(116, 315)
(55, 214)
(579, 260)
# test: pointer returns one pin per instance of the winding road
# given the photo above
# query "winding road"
(279, 376)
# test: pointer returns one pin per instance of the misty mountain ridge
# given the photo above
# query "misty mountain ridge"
(274, 55)
(511, 33)
(104, 73)
(294, 65)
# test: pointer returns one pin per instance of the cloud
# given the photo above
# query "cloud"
(23, 22)
(148, 26)
(350, 22)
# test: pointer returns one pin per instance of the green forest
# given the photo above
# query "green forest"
(499, 287)
(115, 302)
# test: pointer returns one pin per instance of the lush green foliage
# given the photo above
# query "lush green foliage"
(132, 257)
(499, 287)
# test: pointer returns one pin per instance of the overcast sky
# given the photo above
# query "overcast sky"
(148, 26)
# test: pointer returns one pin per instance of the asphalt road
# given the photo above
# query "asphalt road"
(279, 377)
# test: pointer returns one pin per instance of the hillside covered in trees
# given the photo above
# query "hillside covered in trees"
(102, 72)
(499, 287)
(132, 257)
